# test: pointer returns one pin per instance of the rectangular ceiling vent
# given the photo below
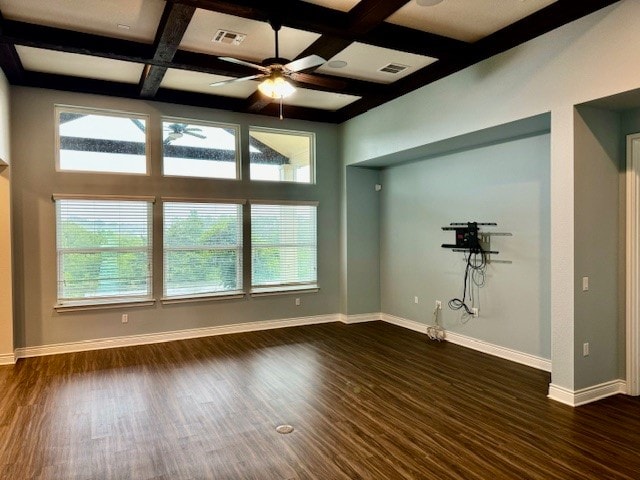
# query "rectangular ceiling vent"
(230, 38)
(393, 68)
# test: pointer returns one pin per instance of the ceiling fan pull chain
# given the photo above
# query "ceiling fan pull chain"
(281, 116)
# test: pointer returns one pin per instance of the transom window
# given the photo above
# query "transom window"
(104, 250)
(199, 149)
(283, 246)
(281, 155)
(99, 141)
(202, 248)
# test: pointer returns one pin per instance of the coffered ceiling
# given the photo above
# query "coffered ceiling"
(374, 50)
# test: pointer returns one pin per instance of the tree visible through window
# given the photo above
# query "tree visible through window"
(283, 246)
(104, 250)
(202, 248)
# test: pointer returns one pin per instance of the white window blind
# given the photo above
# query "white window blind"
(283, 246)
(202, 248)
(104, 250)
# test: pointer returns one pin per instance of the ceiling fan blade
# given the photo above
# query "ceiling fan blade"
(311, 79)
(305, 63)
(233, 80)
(246, 64)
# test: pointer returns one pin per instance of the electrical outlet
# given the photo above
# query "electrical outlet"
(438, 304)
(415, 299)
(297, 302)
(585, 349)
(474, 310)
(125, 318)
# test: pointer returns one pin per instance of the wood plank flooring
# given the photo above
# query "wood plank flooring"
(367, 401)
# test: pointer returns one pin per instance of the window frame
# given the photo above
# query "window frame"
(61, 108)
(206, 123)
(240, 249)
(267, 290)
(282, 131)
(105, 301)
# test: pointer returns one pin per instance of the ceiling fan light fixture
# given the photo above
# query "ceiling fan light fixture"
(276, 87)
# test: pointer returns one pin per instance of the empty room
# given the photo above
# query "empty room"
(321, 239)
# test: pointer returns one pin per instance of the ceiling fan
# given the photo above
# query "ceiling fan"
(177, 130)
(276, 70)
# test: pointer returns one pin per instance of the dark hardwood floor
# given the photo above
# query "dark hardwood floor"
(368, 401)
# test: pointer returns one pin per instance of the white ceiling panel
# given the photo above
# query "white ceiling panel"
(199, 82)
(343, 5)
(75, 65)
(467, 20)
(258, 44)
(91, 16)
(364, 61)
(304, 97)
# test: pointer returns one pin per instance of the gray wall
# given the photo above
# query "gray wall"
(363, 241)
(507, 183)
(599, 230)
(35, 180)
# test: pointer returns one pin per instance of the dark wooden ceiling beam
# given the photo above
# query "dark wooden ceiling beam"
(51, 38)
(10, 63)
(368, 14)
(173, 24)
(362, 18)
(9, 59)
(334, 23)
(545, 20)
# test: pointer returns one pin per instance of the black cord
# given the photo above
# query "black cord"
(474, 274)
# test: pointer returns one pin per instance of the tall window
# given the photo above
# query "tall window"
(104, 250)
(199, 149)
(98, 141)
(283, 246)
(281, 155)
(202, 248)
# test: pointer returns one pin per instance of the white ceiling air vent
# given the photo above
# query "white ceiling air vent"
(393, 68)
(230, 38)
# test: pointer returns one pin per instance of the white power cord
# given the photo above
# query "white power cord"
(435, 331)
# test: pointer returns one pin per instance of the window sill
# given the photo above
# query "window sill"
(265, 292)
(203, 298)
(80, 306)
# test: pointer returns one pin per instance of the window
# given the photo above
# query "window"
(197, 149)
(283, 246)
(281, 156)
(104, 250)
(91, 141)
(202, 248)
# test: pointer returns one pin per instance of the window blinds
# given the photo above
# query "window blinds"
(202, 248)
(283, 245)
(104, 250)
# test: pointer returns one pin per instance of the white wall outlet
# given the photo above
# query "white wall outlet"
(585, 349)
(438, 304)
(125, 318)
(415, 299)
(585, 284)
(474, 310)
(297, 302)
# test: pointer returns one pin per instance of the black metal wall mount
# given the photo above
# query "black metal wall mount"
(470, 238)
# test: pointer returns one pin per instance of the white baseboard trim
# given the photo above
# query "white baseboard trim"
(360, 318)
(586, 395)
(498, 351)
(475, 344)
(145, 339)
(7, 359)
(403, 322)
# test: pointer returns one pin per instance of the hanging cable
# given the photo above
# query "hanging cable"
(474, 274)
